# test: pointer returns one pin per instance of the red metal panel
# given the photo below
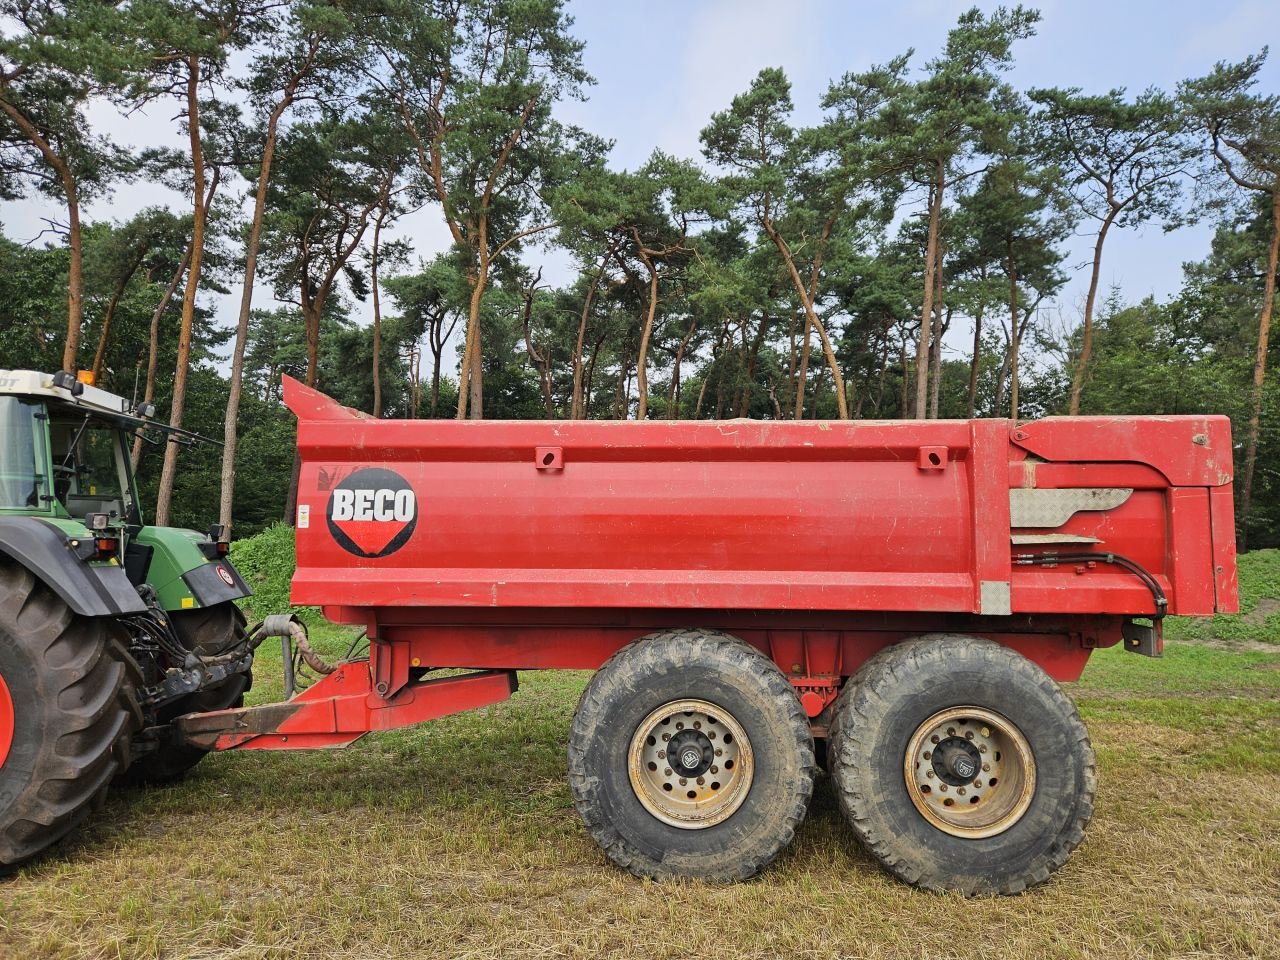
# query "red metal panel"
(1225, 582)
(837, 651)
(989, 466)
(901, 517)
(1137, 529)
(1190, 552)
(1054, 476)
(698, 515)
(1189, 451)
(343, 706)
(687, 588)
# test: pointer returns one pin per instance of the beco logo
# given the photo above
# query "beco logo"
(372, 513)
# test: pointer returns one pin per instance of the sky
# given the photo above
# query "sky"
(662, 67)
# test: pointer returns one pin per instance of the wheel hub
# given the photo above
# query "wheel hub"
(970, 772)
(690, 764)
(956, 761)
(690, 752)
(6, 721)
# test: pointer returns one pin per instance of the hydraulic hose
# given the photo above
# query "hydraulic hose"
(1149, 581)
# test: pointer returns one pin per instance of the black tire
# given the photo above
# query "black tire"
(209, 631)
(752, 695)
(885, 709)
(72, 687)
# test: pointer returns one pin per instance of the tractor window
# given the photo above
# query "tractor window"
(21, 455)
(86, 466)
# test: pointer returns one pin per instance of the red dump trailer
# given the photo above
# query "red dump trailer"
(907, 592)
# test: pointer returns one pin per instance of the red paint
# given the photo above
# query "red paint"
(1188, 451)
(812, 703)
(1222, 519)
(552, 544)
(342, 707)
(6, 721)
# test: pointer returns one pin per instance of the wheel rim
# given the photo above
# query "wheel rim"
(690, 764)
(6, 721)
(970, 772)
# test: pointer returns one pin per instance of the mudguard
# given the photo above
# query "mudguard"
(97, 590)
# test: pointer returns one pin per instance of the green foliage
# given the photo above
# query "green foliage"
(694, 278)
(33, 305)
(266, 561)
(1259, 618)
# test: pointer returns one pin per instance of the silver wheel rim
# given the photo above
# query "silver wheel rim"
(690, 764)
(970, 772)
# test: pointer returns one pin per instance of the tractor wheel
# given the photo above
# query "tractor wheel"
(690, 756)
(210, 631)
(67, 712)
(962, 766)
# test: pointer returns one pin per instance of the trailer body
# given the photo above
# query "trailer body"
(744, 589)
(551, 544)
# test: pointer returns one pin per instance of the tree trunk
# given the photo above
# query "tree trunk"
(935, 347)
(715, 354)
(75, 265)
(75, 277)
(576, 404)
(471, 378)
(591, 375)
(1014, 337)
(169, 471)
(976, 362)
(541, 359)
(377, 313)
(620, 400)
(230, 429)
(311, 310)
(837, 379)
(753, 360)
(100, 355)
(153, 349)
(642, 379)
(438, 337)
(926, 311)
(1259, 372)
(791, 367)
(673, 395)
(802, 372)
(1086, 333)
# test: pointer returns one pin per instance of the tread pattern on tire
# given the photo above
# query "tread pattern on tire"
(872, 689)
(86, 683)
(667, 649)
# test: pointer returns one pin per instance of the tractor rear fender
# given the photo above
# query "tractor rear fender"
(92, 590)
(183, 576)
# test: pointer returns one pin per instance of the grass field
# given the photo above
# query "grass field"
(459, 839)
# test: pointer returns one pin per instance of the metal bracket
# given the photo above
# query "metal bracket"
(1146, 639)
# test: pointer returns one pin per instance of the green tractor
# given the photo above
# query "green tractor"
(109, 628)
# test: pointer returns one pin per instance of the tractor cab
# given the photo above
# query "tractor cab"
(64, 451)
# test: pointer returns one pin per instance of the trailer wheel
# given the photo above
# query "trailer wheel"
(67, 712)
(209, 630)
(962, 766)
(690, 756)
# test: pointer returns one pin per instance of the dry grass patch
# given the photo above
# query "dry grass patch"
(458, 839)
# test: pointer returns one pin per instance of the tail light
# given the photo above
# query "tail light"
(215, 549)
